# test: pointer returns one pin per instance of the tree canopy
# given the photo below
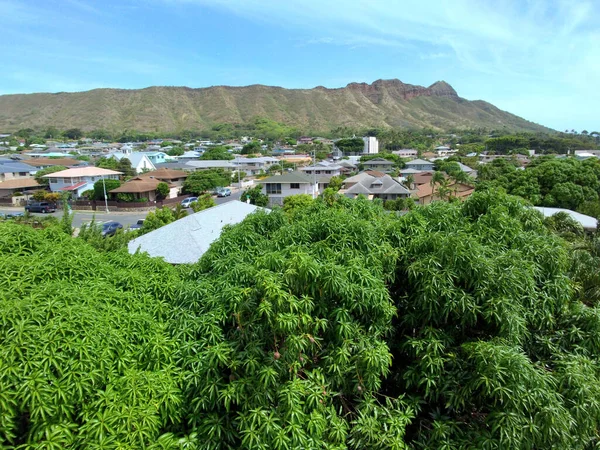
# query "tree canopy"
(456, 325)
(202, 181)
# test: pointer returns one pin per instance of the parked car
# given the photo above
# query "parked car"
(110, 228)
(186, 202)
(41, 207)
(137, 225)
(224, 192)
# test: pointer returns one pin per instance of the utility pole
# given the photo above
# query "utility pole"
(238, 170)
(314, 174)
(105, 199)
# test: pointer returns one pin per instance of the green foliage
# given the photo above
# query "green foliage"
(256, 196)
(159, 218)
(217, 153)
(108, 163)
(124, 166)
(73, 133)
(350, 145)
(335, 183)
(296, 204)
(176, 151)
(162, 190)
(204, 202)
(564, 183)
(202, 181)
(99, 187)
(337, 326)
(251, 148)
(39, 175)
(66, 223)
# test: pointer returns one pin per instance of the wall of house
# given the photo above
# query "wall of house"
(286, 191)
(423, 167)
(56, 184)
(14, 176)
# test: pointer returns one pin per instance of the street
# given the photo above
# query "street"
(125, 218)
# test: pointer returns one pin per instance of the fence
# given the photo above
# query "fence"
(113, 205)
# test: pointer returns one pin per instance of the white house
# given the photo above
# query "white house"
(371, 145)
(374, 185)
(139, 161)
(80, 179)
(280, 186)
(323, 168)
(406, 153)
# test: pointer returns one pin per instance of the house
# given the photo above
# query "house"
(293, 183)
(13, 170)
(380, 164)
(587, 222)
(426, 193)
(171, 176)
(157, 157)
(371, 145)
(8, 188)
(323, 168)
(420, 164)
(189, 155)
(186, 240)
(304, 140)
(79, 179)
(443, 150)
(467, 170)
(42, 163)
(260, 163)
(139, 160)
(143, 188)
(373, 184)
(210, 164)
(406, 153)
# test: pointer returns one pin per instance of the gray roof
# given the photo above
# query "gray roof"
(186, 240)
(212, 164)
(464, 168)
(291, 177)
(10, 166)
(377, 185)
(378, 162)
(587, 222)
(417, 161)
(410, 171)
(176, 165)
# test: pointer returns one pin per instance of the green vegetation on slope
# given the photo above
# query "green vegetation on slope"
(385, 103)
(326, 326)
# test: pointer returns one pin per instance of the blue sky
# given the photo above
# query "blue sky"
(539, 59)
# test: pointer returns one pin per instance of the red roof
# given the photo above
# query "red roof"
(74, 187)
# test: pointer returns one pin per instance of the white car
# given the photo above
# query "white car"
(186, 202)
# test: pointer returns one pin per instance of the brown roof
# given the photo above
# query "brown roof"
(38, 162)
(425, 190)
(137, 185)
(19, 183)
(165, 174)
(375, 173)
(422, 178)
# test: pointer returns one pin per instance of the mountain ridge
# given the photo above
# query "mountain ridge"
(383, 103)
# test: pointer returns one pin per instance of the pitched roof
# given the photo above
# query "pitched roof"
(39, 162)
(418, 161)
(426, 189)
(370, 184)
(89, 171)
(75, 186)
(210, 164)
(186, 240)
(8, 166)
(165, 174)
(135, 158)
(587, 222)
(378, 162)
(137, 185)
(19, 183)
(290, 177)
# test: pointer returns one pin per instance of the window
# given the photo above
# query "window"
(22, 174)
(273, 188)
(67, 181)
(294, 185)
(53, 180)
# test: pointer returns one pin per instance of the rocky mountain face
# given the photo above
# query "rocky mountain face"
(383, 103)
